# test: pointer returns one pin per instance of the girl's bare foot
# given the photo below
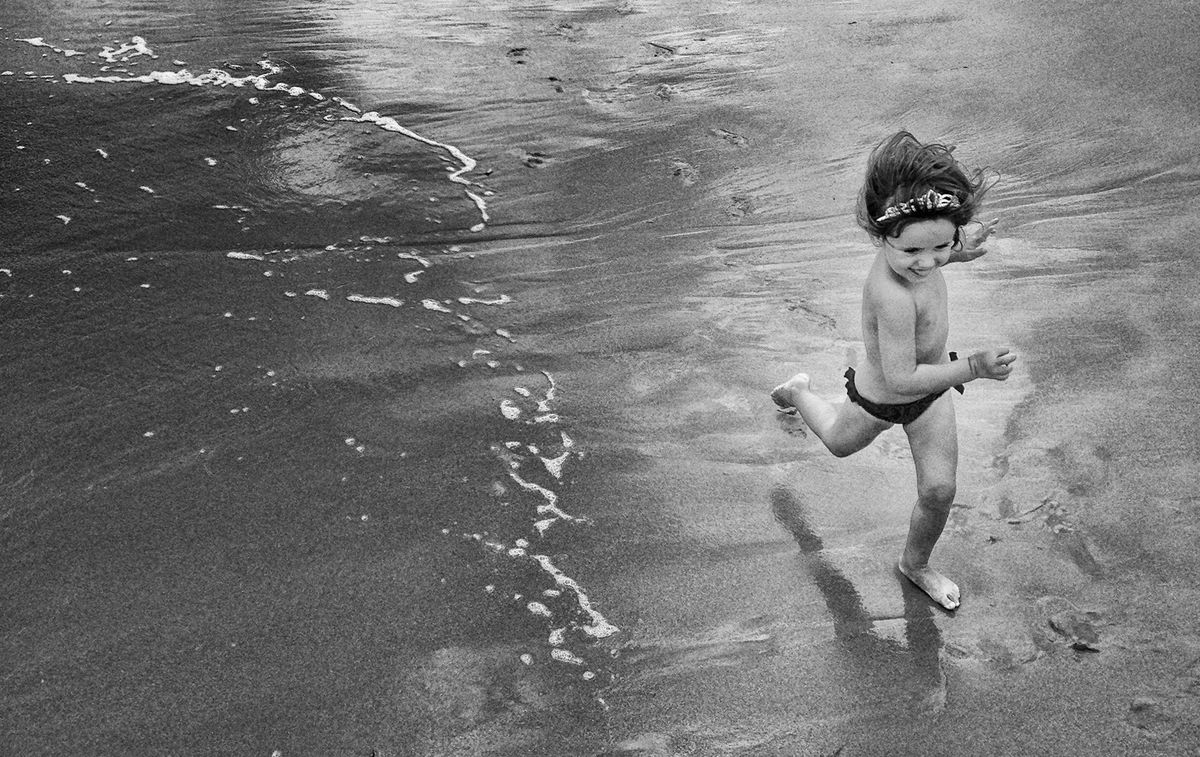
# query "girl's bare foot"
(786, 395)
(939, 588)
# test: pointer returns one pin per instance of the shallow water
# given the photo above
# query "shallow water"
(446, 434)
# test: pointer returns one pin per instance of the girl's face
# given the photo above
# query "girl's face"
(919, 250)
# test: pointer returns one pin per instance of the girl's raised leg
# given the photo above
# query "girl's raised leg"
(845, 428)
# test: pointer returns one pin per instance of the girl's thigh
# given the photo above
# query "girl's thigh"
(854, 429)
(933, 439)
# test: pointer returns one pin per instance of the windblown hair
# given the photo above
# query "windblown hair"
(902, 169)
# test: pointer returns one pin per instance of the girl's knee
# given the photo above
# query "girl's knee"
(844, 448)
(937, 494)
(839, 450)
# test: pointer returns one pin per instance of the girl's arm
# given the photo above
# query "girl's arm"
(897, 329)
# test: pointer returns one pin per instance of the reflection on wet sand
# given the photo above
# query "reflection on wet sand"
(862, 637)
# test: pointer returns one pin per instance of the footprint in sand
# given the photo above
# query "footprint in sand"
(739, 207)
(733, 138)
(1077, 626)
(1152, 717)
(686, 173)
(791, 422)
(535, 159)
(661, 50)
(571, 31)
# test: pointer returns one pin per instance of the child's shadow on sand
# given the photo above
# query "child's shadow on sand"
(917, 659)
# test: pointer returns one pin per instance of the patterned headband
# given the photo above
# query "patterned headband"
(931, 200)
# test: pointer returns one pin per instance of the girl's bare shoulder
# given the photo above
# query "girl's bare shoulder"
(882, 290)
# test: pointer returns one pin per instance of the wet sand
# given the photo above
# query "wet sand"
(1068, 542)
(753, 577)
(261, 597)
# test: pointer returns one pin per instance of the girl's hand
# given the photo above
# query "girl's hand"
(973, 240)
(992, 364)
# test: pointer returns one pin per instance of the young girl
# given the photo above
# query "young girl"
(915, 203)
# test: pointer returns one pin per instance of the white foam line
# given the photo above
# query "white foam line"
(135, 45)
(550, 497)
(412, 256)
(543, 405)
(551, 507)
(218, 78)
(481, 206)
(387, 123)
(562, 655)
(510, 410)
(555, 464)
(39, 42)
(392, 301)
(503, 299)
(347, 105)
(599, 627)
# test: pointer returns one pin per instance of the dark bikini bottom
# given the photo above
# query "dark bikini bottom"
(901, 413)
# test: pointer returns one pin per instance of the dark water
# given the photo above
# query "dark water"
(294, 395)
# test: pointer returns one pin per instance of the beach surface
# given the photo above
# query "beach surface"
(395, 381)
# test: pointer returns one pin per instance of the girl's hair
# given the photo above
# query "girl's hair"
(900, 172)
